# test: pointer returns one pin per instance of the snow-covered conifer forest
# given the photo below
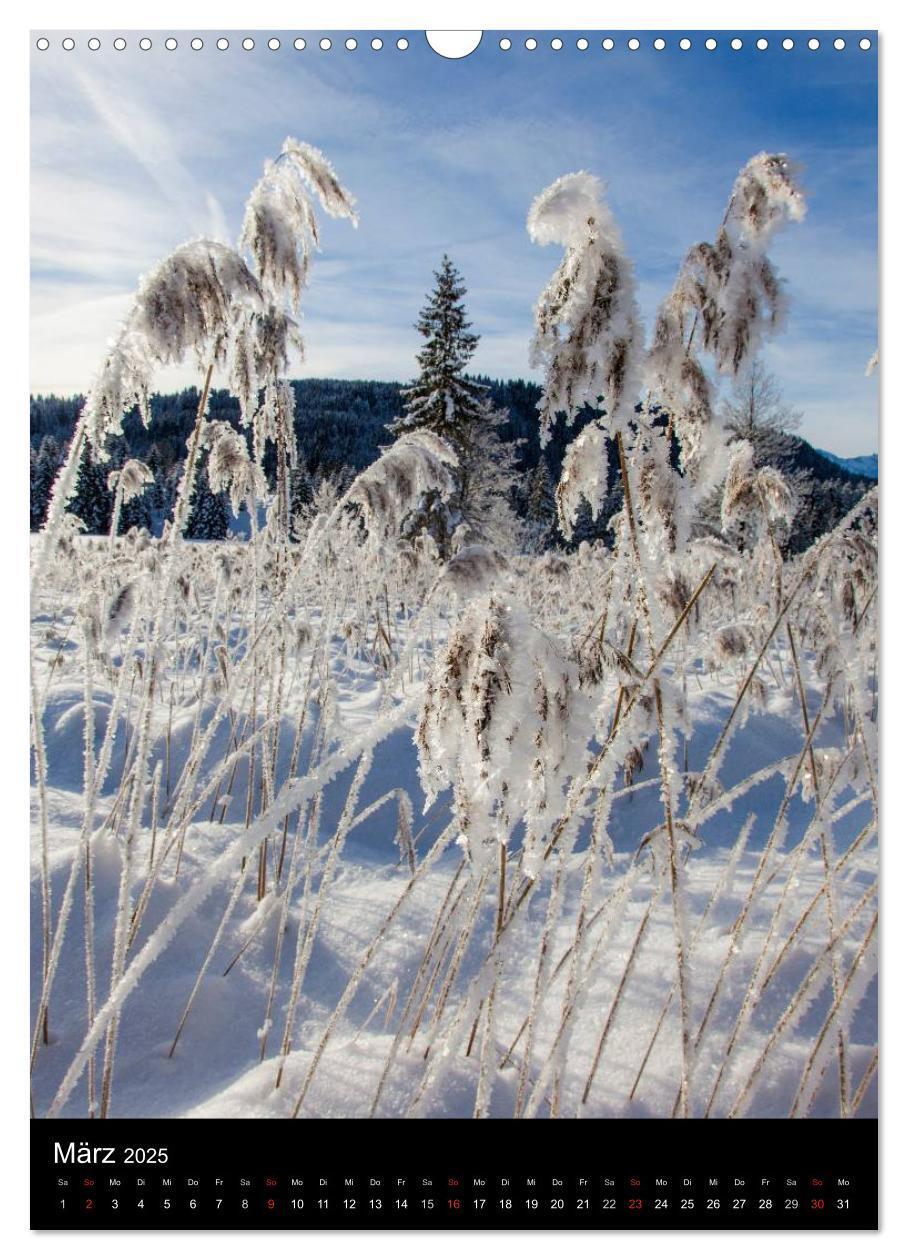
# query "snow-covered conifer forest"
(394, 803)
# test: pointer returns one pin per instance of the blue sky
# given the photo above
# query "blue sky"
(134, 152)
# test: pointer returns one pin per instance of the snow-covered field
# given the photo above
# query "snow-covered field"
(361, 972)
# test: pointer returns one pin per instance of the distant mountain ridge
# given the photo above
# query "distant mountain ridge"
(860, 465)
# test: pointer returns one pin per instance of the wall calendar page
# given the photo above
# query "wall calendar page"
(454, 629)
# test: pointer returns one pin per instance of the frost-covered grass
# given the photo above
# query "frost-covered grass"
(388, 821)
(280, 903)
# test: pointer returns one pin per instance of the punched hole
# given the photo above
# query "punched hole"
(453, 44)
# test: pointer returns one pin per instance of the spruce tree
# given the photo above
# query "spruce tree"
(302, 496)
(136, 514)
(541, 513)
(45, 463)
(92, 501)
(36, 503)
(444, 399)
(208, 519)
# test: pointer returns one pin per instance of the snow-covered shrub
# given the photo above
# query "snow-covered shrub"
(230, 466)
(757, 496)
(588, 337)
(726, 300)
(503, 723)
(280, 230)
(387, 492)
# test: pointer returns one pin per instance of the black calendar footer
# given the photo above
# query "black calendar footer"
(436, 1174)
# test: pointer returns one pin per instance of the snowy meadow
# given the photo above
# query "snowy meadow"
(393, 807)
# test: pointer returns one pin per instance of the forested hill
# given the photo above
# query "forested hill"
(341, 426)
(338, 423)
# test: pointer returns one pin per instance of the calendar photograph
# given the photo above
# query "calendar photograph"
(454, 578)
